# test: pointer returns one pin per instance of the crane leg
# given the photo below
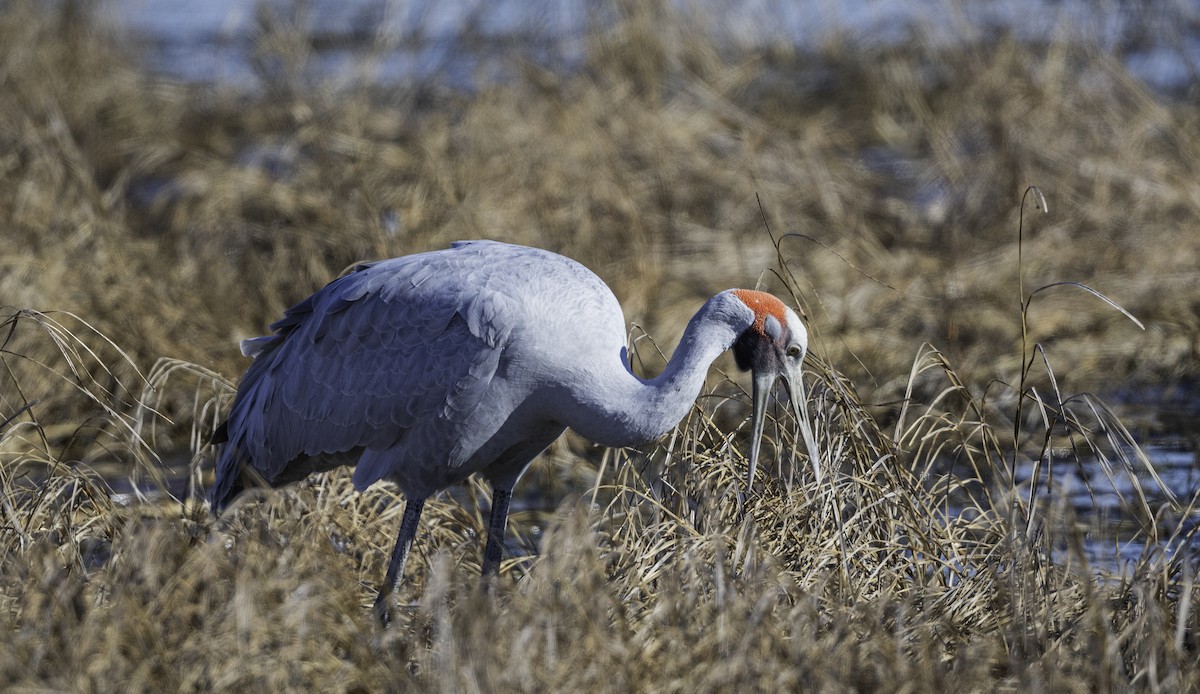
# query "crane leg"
(495, 542)
(408, 530)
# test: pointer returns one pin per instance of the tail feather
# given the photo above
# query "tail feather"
(228, 484)
(255, 346)
(235, 473)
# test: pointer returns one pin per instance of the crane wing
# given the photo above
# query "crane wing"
(387, 358)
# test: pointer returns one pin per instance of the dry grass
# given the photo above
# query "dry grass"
(170, 220)
(653, 574)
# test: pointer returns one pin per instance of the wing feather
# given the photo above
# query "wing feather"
(386, 359)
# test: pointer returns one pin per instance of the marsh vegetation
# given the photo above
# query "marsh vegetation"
(148, 224)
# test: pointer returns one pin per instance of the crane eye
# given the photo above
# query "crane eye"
(794, 352)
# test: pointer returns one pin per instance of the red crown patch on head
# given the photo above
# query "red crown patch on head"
(763, 305)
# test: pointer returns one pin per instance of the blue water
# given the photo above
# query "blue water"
(456, 42)
(1099, 496)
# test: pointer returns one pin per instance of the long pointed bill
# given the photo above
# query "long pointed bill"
(764, 383)
(795, 387)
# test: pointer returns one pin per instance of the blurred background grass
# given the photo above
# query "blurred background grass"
(179, 217)
(151, 222)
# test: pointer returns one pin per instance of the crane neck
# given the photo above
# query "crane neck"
(637, 410)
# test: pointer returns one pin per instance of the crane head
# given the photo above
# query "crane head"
(772, 348)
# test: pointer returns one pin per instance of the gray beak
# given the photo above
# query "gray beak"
(764, 383)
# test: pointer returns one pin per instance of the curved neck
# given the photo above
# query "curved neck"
(629, 410)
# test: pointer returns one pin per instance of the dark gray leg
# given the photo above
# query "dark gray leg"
(495, 542)
(408, 529)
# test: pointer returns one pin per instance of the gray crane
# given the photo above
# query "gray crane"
(427, 368)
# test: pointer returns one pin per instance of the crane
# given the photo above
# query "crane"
(428, 368)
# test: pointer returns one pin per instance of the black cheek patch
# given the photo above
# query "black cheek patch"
(751, 349)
